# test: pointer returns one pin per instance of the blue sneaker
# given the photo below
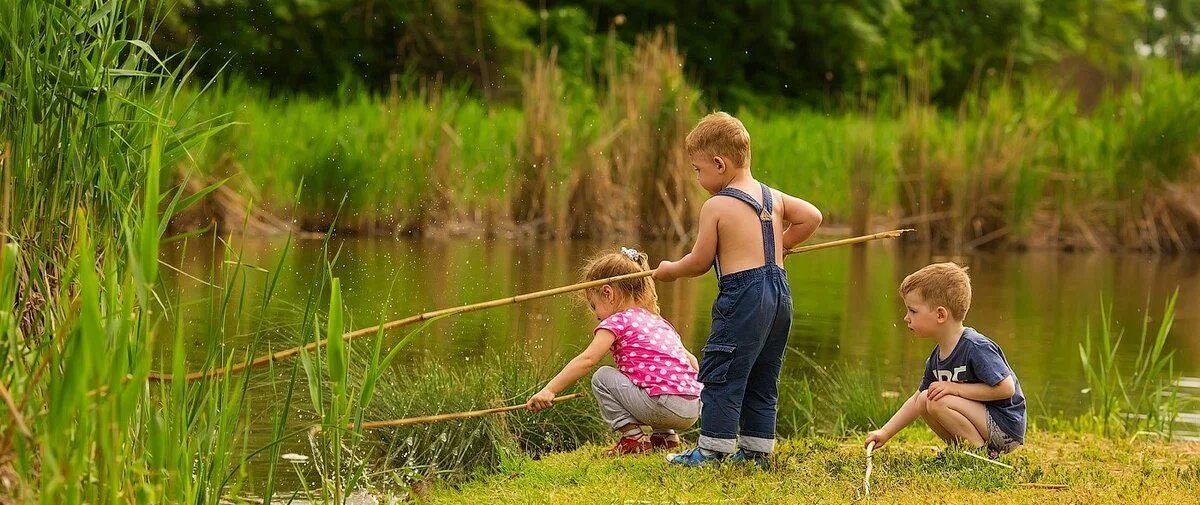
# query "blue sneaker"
(695, 458)
(761, 459)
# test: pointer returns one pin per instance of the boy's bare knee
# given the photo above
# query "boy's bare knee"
(923, 401)
(937, 405)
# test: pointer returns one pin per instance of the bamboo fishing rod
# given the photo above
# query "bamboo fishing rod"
(312, 346)
(409, 421)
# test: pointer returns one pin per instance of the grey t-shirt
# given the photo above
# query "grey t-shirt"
(977, 359)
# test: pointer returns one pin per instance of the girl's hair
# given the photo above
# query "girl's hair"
(638, 291)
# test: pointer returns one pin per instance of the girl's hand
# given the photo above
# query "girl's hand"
(880, 438)
(692, 361)
(663, 272)
(941, 389)
(543, 400)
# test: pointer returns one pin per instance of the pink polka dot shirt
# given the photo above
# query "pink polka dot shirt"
(649, 352)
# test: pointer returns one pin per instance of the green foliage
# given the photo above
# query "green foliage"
(389, 157)
(1005, 168)
(89, 115)
(314, 45)
(1127, 401)
(834, 51)
(1163, 130)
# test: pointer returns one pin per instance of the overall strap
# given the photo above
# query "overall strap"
(741, 195)
(764, 215)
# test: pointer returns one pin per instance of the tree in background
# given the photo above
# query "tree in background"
(315, 45)
(815, 51)
(749, 52)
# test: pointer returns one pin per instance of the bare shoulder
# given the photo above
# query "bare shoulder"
(719, 204)
(781, 197)
(793, 206)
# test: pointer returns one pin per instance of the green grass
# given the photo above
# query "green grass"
(391, 157)
(830, 470)
(1015, 165)
(458, 450)
(813, 155)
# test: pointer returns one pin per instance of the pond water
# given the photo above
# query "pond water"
(1037, 305)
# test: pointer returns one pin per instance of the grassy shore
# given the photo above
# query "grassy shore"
(830, 470)
(1015, 167)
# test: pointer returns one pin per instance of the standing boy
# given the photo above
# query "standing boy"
(753, 310)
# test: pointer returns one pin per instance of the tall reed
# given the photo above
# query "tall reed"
(658, 108)
(90, 118)
(536, 200)
(1129, 398)
(1014, 165)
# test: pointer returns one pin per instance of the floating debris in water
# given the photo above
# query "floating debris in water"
(295, 458)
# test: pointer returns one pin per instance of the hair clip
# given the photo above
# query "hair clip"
(632, 254)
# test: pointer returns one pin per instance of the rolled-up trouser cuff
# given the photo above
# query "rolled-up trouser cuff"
(756, 444)
(722, 445)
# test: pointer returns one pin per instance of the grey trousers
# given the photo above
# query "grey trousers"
(622, 402)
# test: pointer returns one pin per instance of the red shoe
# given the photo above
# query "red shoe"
(660, 442)
(630, 445)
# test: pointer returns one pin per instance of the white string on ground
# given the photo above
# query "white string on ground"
(992, 461)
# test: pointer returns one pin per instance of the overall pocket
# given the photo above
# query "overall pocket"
(714, 366)
(727, 300)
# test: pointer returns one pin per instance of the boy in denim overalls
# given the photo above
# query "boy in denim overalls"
(753, 311)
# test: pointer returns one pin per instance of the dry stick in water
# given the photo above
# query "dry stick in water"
(288, 353)
(408, 421)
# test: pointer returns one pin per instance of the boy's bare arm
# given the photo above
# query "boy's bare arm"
(802, 219)
(979, 392)
(903, 417)
(704, 252)
(907, 413)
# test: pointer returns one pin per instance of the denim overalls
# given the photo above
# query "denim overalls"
(740, 369)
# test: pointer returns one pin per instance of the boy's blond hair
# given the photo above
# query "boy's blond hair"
(722, 135)
(941, 284)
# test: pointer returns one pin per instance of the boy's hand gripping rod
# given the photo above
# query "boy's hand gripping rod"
(311, 346)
